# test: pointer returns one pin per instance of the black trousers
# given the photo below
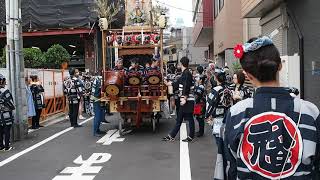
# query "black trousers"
(36, 119)
(186, 116)
(5, 131)
(201, 125)
(73, 114)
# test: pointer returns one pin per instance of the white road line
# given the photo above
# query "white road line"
(107, 136)
(185, 171)
(8, 160)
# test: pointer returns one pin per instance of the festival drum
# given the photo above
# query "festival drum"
(153, 77)
(114, 82)
(134, 78)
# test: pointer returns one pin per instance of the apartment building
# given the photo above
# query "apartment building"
(295, 28)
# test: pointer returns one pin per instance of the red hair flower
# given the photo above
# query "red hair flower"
(238, 51)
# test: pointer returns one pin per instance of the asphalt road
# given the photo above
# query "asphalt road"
(58, 152)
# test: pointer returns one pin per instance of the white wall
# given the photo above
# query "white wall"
(196, 54)
(290, 72)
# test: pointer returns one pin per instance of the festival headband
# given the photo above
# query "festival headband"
(240, 49)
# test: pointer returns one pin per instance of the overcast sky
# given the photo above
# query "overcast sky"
(179, 9)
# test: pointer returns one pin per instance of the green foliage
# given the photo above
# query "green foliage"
(236, 66)
(107, 9)
(3, 58)
(33, 58)
(55, 56)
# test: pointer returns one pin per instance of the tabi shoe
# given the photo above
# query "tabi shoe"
(188, 139)
(100, 132)
(168, 138)
(8, 149)
(77, 126)
(105, 122)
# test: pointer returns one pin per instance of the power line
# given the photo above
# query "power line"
(186, 10)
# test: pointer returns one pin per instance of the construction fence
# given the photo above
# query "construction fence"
(52, 82)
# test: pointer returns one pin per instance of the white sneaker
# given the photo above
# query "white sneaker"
(67, 117)
(81, 117)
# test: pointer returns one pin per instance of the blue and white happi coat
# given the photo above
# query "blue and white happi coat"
(264, 138)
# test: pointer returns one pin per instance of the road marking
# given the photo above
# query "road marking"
(185, 171)
(110, 137)
(8, 160)
(71, 173)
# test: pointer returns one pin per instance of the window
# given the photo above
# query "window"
(221, 4)
(206, 54)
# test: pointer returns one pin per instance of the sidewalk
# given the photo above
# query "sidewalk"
(50, 120)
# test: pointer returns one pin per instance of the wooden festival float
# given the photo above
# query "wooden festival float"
(136, 96)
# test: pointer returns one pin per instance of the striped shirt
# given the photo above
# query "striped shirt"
(73, 90)
(6, 107)
(264, 138)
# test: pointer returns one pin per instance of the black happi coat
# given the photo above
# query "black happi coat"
(6, 107)
(36, 90)
(185, 85)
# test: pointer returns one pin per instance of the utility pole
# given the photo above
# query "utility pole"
(15, 67)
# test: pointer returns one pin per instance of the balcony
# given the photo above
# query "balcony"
(202, 34)
(257, 8)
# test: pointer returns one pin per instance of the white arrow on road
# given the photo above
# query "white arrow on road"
(110, 137)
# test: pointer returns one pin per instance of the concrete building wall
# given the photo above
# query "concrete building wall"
(251, 28)
(228, 28)
(307, 15)
(248, 5)
(195, 54)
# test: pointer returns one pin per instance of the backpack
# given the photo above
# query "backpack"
(226, 97)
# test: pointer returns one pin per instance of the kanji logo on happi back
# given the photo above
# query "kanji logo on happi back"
(271, 145)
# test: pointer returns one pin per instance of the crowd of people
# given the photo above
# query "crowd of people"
(83, 94)
(265, 132)
(205, 93)
(261, 132)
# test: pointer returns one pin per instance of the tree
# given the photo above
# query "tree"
(33, 58)
(55, 56)
(156, 13)
(107, 9)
